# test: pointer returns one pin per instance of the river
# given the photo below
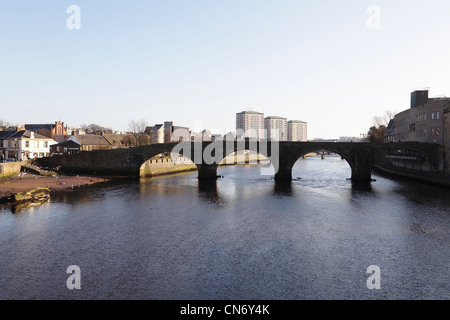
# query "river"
(242, 237)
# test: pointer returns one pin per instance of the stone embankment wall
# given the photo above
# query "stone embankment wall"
(242, 157)
(165, 165)
(12, 168)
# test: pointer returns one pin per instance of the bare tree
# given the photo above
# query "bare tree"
(95, 128)
(5, 123)
(137, 132)
(383, 120)
(379, 125)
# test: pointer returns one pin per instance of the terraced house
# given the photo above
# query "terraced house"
(23, 145)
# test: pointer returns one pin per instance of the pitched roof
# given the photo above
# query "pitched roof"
(68, 143)
(91, 139)
(115, 137)
(390, 128)
(26, 134)
(61, 137)
(37, 127)
(6, 134)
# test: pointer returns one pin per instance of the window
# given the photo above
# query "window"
(27, 144)
(437, 115)
(46, 144)
(420, 133)
(421, 117)
(432, 116)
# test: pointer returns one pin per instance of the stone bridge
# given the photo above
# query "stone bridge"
(362, 157)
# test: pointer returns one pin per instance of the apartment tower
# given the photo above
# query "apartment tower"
(276, 128)
(250, 124)
(297, 130)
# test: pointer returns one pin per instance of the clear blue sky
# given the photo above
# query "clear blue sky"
(203, 61)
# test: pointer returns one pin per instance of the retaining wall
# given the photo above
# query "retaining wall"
(11, 168)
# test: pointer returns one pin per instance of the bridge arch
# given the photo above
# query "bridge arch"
(291, 152)
(215, 153)
(347, 156)
(412, 157)
(343, 158)
(164, 163)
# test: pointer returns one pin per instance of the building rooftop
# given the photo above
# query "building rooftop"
(6, 134)
(26, 134)
(91, 139)
(296, 121)
(276, 117)
(250, 112)
(68, 143)
(390, 128)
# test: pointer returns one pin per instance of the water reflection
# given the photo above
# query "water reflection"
(361, 186)
(207, 190)
(81, 194)
(283, 188)
(242, 237)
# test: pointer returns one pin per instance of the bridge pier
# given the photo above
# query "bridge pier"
(283, 175)
(363, 163)
(362, 175)
(207, 171)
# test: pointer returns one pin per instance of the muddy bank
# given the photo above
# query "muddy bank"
(27, 189)
(24, 182)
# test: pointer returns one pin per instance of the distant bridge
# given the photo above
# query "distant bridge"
(362, 157)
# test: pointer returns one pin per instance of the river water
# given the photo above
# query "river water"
(242, 237)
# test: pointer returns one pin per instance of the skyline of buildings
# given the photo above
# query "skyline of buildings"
(426, 120)
(253, 125)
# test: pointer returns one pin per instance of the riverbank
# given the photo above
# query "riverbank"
(23, 182)
(156, 171)
(426, 177)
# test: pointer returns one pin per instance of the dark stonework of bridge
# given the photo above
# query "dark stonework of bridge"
(362, 157)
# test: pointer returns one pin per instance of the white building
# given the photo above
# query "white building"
(156, 133)
(173, 133)
(275, 128)
(24, 145)
(297, 130)
(250, 124)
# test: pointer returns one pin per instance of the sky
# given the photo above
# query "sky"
(333, 64)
